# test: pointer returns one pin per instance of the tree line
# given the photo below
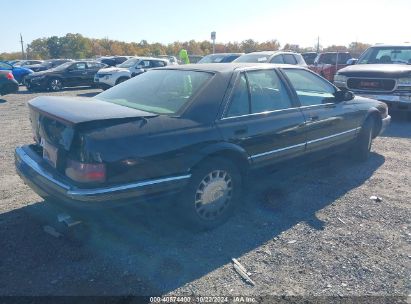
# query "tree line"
(76, 46)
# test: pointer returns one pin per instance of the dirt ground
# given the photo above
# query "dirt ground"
(311, 230)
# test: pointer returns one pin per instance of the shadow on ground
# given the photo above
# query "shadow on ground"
(123, 252)
(2, 100)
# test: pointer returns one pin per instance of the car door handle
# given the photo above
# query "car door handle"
(313, 118)
(241, 131)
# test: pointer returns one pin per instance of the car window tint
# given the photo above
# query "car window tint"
(277, 59)
(311, 89)
(157, 91)
(289, 59)
(239, 104)
(5, 66)
(144, 63)
(158, 63)
(79, 66)
(267, 91)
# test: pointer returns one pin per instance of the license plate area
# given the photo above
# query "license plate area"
(50, 153)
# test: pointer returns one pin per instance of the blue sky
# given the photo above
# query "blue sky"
(289, 21)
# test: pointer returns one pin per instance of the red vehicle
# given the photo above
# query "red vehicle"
(327, 64)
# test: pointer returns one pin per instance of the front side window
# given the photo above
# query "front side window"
(79, 66)
(157, 91)
(311, 89)
(267, 91)
(158, 63)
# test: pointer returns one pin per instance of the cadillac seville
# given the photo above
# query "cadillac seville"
(192, 131)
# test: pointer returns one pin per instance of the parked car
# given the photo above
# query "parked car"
(114, 60)
(25, 63)
(327, 64)
(194, 58)
(309, 57)
(48, 64)
(171, 59)
(108, 77)
(69, 74)
(273, 57)
(8, 84)
(382, 72)
(220, 58)
(19, 73)
(190, 130)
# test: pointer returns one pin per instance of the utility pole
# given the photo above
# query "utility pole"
(213, 36)
(318, 44)
(22, 46)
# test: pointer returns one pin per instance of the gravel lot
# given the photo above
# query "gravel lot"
(311, 230)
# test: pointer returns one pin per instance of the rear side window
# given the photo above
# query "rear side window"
(277, 59)
(289, 59)
(240, 104)
(311, 89)
(267, 91)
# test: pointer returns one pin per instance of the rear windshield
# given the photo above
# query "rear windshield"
(157, 91)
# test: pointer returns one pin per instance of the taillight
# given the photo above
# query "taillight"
(10, 76)
(85, 172)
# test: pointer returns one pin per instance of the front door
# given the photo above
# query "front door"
(328, 123)
(76, 74)
(262, 119)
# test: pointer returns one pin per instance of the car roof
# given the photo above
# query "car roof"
(229, 67)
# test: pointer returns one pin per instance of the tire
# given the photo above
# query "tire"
(121, 79)
(55, 85)
(211, 196)
(363, 143)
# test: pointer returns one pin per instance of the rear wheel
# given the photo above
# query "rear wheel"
(55, 85)
(212, 194)
(363, 143)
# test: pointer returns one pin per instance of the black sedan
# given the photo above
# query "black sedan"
(8, 84)
(194, 131)
(69, 74)
(47, 64)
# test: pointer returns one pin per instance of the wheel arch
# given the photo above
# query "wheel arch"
(374, 114)
(237, 155)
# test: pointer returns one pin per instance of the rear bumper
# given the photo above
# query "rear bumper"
(36, 174)
(9, 88)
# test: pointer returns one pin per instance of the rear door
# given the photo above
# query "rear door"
(92, 69)
(262, 118)
(328, 123)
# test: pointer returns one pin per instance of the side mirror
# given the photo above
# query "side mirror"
(343, 95)
(352, 61)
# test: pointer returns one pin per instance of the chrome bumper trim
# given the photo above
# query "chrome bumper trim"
(84, 194)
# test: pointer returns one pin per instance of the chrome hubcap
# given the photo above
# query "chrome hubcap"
(213, 194)
(56, 85)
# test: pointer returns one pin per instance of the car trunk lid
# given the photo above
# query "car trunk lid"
(56, 120)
